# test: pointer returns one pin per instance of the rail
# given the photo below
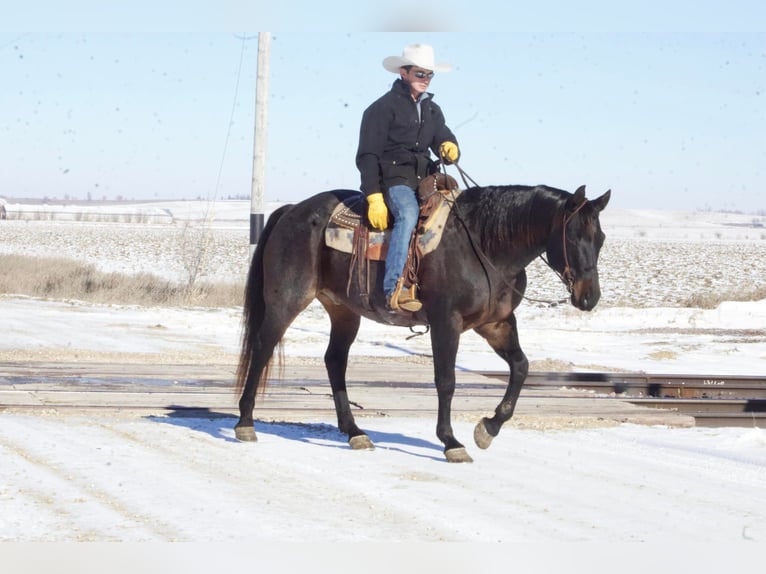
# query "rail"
(713, 400)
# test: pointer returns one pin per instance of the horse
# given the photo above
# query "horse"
(474, 279)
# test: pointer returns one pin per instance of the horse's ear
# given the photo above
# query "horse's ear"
(576, 200)
(600, 203)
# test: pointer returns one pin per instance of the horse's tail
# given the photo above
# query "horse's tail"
(254, 304)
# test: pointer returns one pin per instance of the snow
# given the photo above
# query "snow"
(182, 479)
(110, 476)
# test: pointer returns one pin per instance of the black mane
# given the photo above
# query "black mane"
(512, 212)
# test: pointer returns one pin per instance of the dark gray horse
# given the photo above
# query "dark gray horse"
(473, 280)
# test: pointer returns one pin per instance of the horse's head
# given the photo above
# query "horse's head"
(574, 246)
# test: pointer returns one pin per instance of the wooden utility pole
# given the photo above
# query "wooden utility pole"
(259, 141)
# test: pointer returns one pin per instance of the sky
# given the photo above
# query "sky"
(666, 119)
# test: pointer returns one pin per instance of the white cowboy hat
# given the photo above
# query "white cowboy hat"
(421, 55)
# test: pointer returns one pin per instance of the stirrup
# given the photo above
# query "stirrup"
(402, 300)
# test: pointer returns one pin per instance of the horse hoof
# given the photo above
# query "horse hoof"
(361, 442)
(457, 455)
(245, 434)
(480, 435)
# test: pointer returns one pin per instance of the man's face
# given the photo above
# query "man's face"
(418, 78)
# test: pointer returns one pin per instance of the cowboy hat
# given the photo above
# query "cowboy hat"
(421, 55)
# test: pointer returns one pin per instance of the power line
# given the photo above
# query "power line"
(231, 116)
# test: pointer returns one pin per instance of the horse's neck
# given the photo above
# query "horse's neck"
(518, 236)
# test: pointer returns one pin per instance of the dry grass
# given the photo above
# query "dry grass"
(60, 278)
(711, 300)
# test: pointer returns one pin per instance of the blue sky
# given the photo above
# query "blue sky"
(666, 119)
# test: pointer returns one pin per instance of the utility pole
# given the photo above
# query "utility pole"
(259, 141)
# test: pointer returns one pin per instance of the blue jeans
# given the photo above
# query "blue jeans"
(403, 203)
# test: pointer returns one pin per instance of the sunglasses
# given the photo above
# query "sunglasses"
(423, 75)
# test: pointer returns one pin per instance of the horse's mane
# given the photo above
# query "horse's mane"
(518, 213)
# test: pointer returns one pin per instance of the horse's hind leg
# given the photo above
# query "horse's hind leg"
(343, 331)
(266, 339)
(279, 309)
(504, 339)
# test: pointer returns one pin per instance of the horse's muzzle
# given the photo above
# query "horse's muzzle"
(585, 293)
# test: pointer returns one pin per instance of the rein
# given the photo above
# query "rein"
(480, 255)
(462, 173)
(485, 262)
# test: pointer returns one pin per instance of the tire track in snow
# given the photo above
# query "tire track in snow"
(63, 463)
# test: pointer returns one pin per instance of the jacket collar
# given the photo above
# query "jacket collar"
(403, 88)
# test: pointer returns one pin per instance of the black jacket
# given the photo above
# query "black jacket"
(394, 145)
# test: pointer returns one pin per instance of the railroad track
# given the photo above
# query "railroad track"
(713, 401)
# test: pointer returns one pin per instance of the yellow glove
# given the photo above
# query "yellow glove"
(377, 212)
(449, 152)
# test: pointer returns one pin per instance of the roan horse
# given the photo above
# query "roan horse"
(473, 280)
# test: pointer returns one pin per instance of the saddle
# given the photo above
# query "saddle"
(349, 231)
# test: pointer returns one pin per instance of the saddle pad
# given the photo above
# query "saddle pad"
(339, 233)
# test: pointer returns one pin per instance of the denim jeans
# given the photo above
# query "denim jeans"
(403, 204)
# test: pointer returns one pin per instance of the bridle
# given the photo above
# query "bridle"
(567, 277)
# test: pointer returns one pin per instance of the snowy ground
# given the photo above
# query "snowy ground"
(159, 478)
(119, 477)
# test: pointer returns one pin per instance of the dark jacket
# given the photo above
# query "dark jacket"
(394, 145)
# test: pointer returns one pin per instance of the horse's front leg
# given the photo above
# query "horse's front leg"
(444, 343)
(503, 337)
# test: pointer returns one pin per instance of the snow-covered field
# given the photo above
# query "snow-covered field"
(650, 258)
(108, 477)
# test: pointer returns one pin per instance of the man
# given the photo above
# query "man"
(396, 134)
